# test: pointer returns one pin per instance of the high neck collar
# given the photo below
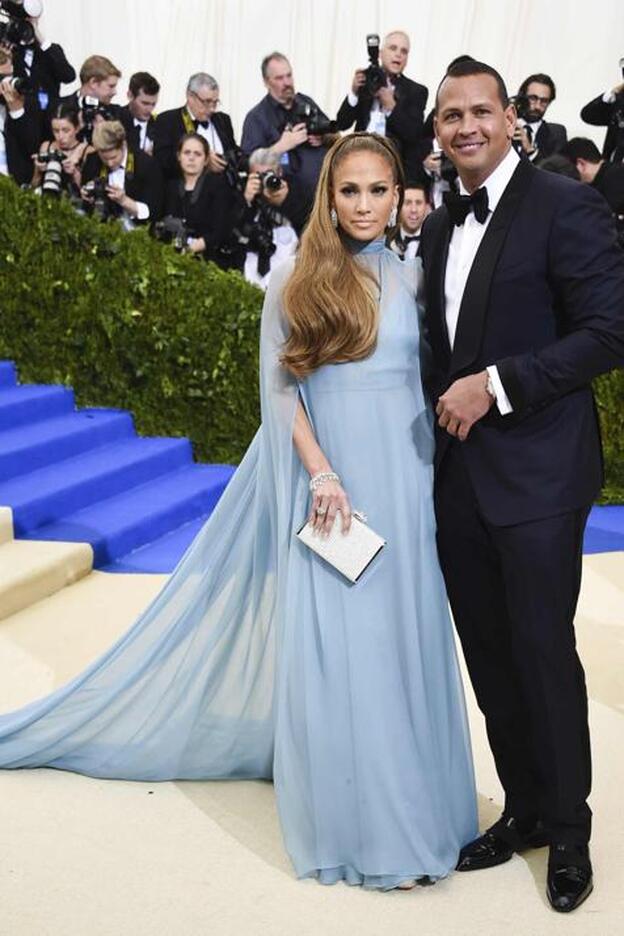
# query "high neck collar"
(363, 247)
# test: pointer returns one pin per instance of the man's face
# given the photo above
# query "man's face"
(112, 158)
(472, 126)
(142, 106)
(279, 81)
(104, 90)
(414, 211)
(539, 98)
(394, 53)
(203, 103)
(6, 68)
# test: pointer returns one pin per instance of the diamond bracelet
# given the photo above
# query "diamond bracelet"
(318, 479)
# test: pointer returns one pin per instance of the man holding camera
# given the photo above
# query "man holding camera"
(382, 100)
(607, 110)
(121, 182)
(534, 137)
(98, 86)
(291, 124)
(41, 63)
(19, 126)
(200, 115)
(137, 116)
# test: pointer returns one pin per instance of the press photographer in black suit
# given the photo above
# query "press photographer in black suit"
(137, 116)
(535, 137)
(607, 178)
(396, 110)
(607, 110)
(134, 190)
(198, 115)
(94, 100)
(42, 62)
(19, 127)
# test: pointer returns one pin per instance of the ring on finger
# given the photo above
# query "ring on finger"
(321, 511)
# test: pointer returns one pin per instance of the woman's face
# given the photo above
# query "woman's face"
(192, 158)
(364, 194)
(64, 133)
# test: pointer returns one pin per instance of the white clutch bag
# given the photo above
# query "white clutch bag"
(351, 554)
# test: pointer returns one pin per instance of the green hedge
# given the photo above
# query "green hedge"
(129, 323)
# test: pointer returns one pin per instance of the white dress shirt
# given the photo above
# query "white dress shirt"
(463, 247)
(117, 178)
(378, 116)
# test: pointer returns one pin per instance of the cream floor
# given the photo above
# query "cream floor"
(83, 857)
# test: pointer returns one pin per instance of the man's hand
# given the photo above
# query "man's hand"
(359, 80)
(291, 139)
(432, 163)
(386, 97)
(619, 88)
(522, 137)
(118, 196)
(276, 197)
(14, 100)
(252, 188)
(216, 163)
(315, 139)
(464, 403)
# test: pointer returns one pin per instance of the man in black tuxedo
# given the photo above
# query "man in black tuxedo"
(607, 110)
(535, 137)
(137, 116)
(94, 99)
(198, 115)
(45, 65)
(397, 110)
(606, 177)
(523, 311)
(19, 127)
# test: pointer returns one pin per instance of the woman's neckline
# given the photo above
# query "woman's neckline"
(358, 247)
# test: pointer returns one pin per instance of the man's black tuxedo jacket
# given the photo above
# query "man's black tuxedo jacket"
(22, 137)
(544, 301)
(132, 132)
(144, 184)
(551, 138)
(404, 126)
(599, 114)
(169, 130)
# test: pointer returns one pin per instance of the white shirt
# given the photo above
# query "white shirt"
(463, 247)
(117, 178)
(209, 134)
(377, 118)
(412, 248)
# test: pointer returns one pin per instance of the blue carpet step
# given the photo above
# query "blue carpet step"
(163, 554)
(32, 403)
(29, 447)
(605, 530)
(122, 524)
(8, 374)
(60, 489)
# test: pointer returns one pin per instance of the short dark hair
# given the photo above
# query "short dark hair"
(468, 66)
(581, 148)
(425, 187)
(143, 81)
(66, 111)
(539, 79)
(561, 165)
(264, 67)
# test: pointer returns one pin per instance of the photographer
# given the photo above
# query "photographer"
(268, 218)
(138, 114)
(282, 121)
(19, 126)
(94, 100)
(127, 184)
(382, 100)
(535, 137)
(607, 110)
(61, 174)
(606, 177)
(198, 115)
(41, 62)
(197, 204)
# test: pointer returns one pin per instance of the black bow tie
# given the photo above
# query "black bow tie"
(201, 123)
(459, 206)
(408, 240)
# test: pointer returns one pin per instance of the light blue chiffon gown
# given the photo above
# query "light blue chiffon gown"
(257, 659)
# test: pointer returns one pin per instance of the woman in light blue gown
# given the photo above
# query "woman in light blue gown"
(258, 659)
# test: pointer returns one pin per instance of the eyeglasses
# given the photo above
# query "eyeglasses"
(535, 99)
(207, 102)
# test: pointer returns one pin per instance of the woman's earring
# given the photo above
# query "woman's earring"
(392, 220)
(333, 214)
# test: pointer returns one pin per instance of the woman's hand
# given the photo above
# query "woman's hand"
(196, 244)
(329, 498)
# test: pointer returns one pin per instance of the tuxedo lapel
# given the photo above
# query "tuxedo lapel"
(473, 309)
(437, 254)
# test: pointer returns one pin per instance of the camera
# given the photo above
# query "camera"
(173, 231)
(309, 114)
(270, 180)
(91, 108)
(52, 183)
(20, 85)
(101, 207)
(375, 76)
(234, 173)
(523, 108)
(14, 26)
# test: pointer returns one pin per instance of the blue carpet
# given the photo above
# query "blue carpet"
(605, 530)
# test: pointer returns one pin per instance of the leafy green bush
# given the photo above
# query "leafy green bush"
(127, 322)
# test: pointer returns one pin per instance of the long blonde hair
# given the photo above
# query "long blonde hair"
(330, 300)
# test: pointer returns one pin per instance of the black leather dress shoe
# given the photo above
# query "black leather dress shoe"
(500, 842)
(570, 879)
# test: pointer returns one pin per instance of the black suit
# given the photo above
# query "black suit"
(171, 126)
(206, 210)
(132, 131)
(600, 114)
(48, 71)
(545, 304)
(22, 136)
(143, 184)
(550, 139)
(404, 126)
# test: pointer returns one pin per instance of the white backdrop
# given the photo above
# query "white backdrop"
(578, 44)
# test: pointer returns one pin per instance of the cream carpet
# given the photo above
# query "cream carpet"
(82, 857)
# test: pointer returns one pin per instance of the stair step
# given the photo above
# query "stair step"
(32, 403)
(29, 447)
(8, 374)
(6, 524)
(32, 571)
(46, 495)
(121, 524)
(161, 555)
